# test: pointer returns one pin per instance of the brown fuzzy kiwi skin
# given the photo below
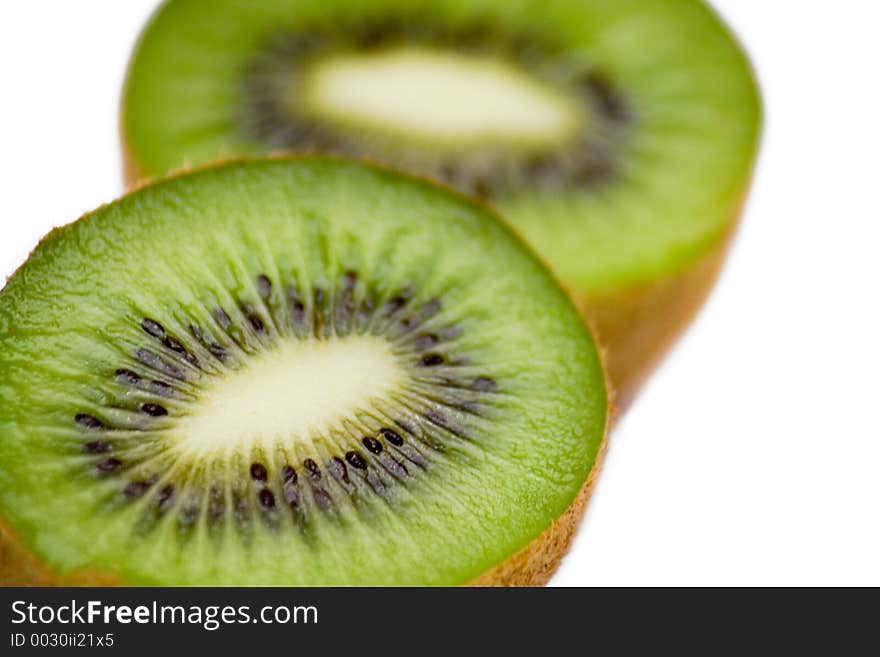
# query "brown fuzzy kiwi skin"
(638, 325)
(21, 567)
(538, 561)
(531, 566)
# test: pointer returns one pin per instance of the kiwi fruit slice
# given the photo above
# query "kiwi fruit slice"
(617, 137)
(291, 371)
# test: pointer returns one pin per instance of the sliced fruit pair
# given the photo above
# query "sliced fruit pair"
(291, 372)
(617, 136)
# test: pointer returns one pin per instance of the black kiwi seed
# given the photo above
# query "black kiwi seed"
(395, 305)
(468, 406)
(391, 436)
(258, 472)
(165, 494)
(253, 318)
(414, 456)
(372, 444)
(484, 384)
(222, 318)
(609, 101)
(128, 377)
(431, 360)
(297, 312)
(187, 515)
(291, 495)
(136, 488)
(109, 465)
(323, 499)
(88, 421)
(240, 508)
(96, 447)
(344, 314)
(313, 469)
(431, 308)
(173, 344)
(213, 348)
(256, 323)
(288, 474)
(298, 306)
(336, 466)
(216, 504)
(154, 410)
(152, 327)
(267, 498)
(436, 417)
(218, 352)
(426, 341)
(161, 388)
(294, 299)
(264, 286)
(356, 460)
(394, 466)
(152, 360)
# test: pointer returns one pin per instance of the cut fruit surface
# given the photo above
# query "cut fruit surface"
(296, 372)
(618, 137)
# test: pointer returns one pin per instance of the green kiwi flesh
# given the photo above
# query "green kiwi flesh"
(617, 136)
(290, 372)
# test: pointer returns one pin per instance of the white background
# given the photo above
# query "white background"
(753, 456)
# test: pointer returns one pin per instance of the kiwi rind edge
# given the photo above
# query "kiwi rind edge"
(533, 565)
(638, 325)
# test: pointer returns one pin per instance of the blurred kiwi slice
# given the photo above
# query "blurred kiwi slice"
(617, 136)
(297, 372)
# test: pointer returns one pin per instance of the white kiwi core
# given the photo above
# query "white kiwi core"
(287, 394)
(441, 97)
